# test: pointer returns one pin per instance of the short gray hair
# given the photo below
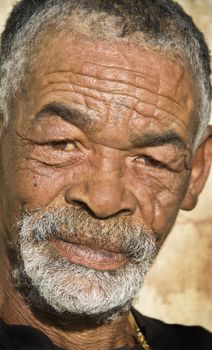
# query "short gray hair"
(163, 24)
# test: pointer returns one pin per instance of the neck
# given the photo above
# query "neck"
(73, 334)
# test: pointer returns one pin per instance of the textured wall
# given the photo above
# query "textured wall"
(178, 289)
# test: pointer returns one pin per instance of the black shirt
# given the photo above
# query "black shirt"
(160, 336)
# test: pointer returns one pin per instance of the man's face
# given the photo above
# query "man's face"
(97, 155)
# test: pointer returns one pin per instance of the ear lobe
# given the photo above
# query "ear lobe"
(200, 171)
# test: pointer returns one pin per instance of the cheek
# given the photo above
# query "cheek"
(36, 190)
(33, 186)
(159, 199)
(166, 208)
(38, 185)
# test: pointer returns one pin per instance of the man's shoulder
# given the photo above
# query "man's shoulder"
(162, 336)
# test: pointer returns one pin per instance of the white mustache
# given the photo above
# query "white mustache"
(76, 225)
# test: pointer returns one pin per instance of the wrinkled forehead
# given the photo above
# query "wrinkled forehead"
(114, 60)
(119, 68)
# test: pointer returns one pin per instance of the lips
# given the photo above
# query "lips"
(91, 257)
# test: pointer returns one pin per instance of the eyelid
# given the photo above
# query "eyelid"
(170, 166)
(152, 161)
(60, 142)
(63, 143)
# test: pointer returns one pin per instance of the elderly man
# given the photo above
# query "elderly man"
(104, 137)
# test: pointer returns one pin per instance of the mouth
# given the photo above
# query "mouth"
(90, 257)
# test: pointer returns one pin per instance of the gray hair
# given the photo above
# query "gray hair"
(162, 23)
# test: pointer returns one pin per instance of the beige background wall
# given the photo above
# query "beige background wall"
(178, 289)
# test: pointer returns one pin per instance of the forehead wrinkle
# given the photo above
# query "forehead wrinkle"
(133, 99)
(152, 85)
(75, 89)
(126, 89)
(134, 104)
(111, 71)
(153, 110)
(118, 110)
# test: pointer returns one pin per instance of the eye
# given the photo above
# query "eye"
(148, 160)
(63, 145)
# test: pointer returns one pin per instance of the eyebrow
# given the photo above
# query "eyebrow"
(68, 114)
(155, 140)
(83, 120)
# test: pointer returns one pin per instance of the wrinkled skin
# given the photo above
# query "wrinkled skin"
(102, 157)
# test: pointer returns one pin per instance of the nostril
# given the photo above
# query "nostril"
(84, 206)
(78, 203)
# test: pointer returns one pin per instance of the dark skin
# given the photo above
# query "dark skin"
(106, 126)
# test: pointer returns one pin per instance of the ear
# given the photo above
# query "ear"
(200, 171)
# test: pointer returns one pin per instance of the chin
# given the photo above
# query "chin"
(58, 287)
(53, 283)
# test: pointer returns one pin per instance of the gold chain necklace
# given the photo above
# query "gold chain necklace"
(139, 335)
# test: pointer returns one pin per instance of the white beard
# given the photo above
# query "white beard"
(77, 290)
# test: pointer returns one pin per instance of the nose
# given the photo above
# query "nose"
(103, 193)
